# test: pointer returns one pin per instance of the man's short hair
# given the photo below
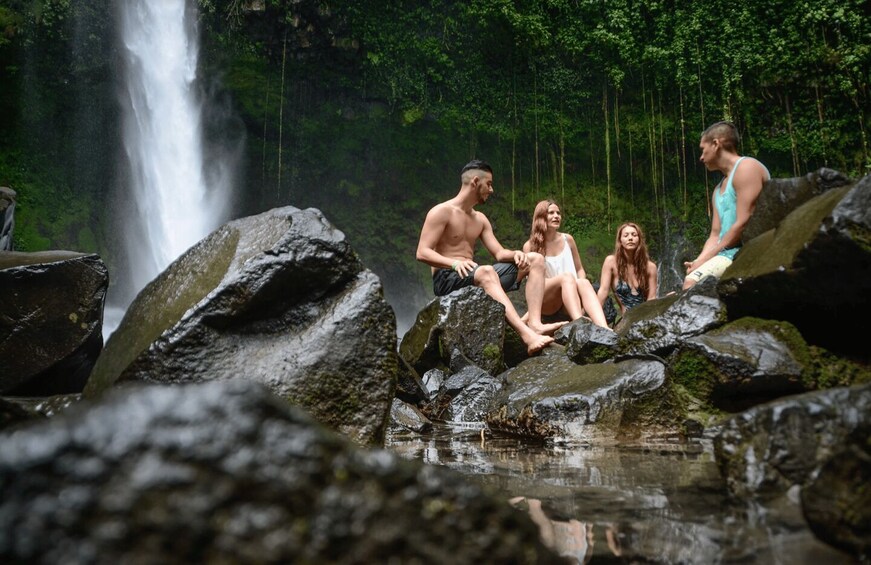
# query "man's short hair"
(477, 164)
(726, 132)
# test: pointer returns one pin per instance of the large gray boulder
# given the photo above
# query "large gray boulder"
(814, 270)
(742, 364)
(658, 326)
(467, 320)
(51, 320)
(226, 472)
(779, 197)
(552, 397)
(279, 298)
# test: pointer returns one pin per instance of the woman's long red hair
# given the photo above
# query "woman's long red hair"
(638, 262)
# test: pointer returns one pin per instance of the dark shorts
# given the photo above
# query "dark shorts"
(445, 281)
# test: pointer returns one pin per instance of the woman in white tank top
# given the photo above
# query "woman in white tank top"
(566, 286)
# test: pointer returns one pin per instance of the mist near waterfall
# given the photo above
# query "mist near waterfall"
(171, 193)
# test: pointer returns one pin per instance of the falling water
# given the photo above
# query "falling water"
(168, 205)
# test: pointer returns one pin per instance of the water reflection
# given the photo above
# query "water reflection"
(663, 503)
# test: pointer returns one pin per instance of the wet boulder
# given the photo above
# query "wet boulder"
(658, 326)
(408, 417)
(16, 410)
(279, 298)
(813, 270)
(837, 502)
(51, 317)
(741, 364)
(468, 320)
(227, 472)
(780, 196)
(585, 342)
(464, 394)
(769, 449)
(552, 397)
(409, 386)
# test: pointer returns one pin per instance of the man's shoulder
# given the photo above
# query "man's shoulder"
(751, 172)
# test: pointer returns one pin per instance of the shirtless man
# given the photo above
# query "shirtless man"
(447, 243)
(734, 200)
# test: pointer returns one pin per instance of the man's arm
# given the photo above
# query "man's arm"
(488, 238)
(747, 182)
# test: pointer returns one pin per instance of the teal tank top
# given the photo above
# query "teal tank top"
(727, 209)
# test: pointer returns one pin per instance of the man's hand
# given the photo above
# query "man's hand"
(688, 265)
(464, 267)
(521, 260)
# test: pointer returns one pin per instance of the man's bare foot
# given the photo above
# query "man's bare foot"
(546, 329)
(535, 343)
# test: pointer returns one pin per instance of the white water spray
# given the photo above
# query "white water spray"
(170, 206)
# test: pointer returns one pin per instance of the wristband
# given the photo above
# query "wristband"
(454, 266)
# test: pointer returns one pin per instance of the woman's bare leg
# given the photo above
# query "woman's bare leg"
(590, 302)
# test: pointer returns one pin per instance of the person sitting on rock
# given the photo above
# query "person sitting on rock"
(447, 241)
(734, 200)
(566, 286)
(628, 273)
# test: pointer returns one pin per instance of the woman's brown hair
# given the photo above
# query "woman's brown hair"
(638, 262)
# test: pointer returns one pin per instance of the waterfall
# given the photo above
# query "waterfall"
(168, 201)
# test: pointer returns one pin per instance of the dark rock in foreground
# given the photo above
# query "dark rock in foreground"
(279, 298)
(226, 472)
(765, 451)
(51, 320)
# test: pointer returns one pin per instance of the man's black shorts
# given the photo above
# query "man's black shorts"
(445, 281)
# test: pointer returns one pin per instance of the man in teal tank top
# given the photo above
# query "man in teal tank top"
(734, 200)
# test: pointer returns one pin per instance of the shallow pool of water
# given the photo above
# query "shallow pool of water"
(663, 503)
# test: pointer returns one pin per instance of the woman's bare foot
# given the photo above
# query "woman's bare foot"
(535, 342)
(546, 329)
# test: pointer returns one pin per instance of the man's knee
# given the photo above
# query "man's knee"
(486, 274)
(535, 259)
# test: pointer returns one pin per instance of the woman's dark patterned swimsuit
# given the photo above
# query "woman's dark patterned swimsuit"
(628, 297)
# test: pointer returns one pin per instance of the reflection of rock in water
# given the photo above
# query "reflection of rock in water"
(638, 505)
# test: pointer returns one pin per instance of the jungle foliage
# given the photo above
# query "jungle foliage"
(368, 109)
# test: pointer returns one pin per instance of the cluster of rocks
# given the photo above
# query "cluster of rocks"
(771, 343)
(182, 438)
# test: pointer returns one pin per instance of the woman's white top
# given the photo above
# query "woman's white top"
(562, 263)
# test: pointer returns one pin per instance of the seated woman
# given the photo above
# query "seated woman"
(566, 285)
(629, 272)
